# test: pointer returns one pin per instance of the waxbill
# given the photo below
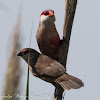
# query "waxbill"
(47, 36)
(49, 69)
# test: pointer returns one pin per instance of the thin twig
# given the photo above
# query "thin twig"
(27, 88)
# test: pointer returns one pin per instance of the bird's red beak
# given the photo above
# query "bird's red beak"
(51, 13)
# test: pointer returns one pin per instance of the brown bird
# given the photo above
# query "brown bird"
(47, 36)
(49, 69)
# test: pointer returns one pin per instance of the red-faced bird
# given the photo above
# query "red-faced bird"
(49, 69)
(47, 36)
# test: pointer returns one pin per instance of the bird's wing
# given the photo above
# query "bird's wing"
(49, 67)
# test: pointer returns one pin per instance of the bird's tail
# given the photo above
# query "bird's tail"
(69, 82)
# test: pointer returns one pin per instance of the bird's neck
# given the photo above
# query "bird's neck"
(33, 60)
(50, 26)
(47, 23)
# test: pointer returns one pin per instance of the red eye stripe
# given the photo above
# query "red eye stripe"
(23, 51)
(45, 13)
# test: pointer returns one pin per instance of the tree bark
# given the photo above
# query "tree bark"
(70, 8)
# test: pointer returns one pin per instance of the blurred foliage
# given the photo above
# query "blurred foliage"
(13, 74)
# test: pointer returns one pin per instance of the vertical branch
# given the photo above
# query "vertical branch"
(68, 22)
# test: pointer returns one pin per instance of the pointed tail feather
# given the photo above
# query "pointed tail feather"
(69, 82)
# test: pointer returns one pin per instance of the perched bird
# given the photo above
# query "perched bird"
(49, 69)
(47, 36)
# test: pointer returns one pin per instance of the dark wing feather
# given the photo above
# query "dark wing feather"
(49, 67)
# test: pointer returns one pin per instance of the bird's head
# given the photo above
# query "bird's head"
(28, 53)
(47, 16)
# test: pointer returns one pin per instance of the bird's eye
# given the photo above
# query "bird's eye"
(46, 13)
